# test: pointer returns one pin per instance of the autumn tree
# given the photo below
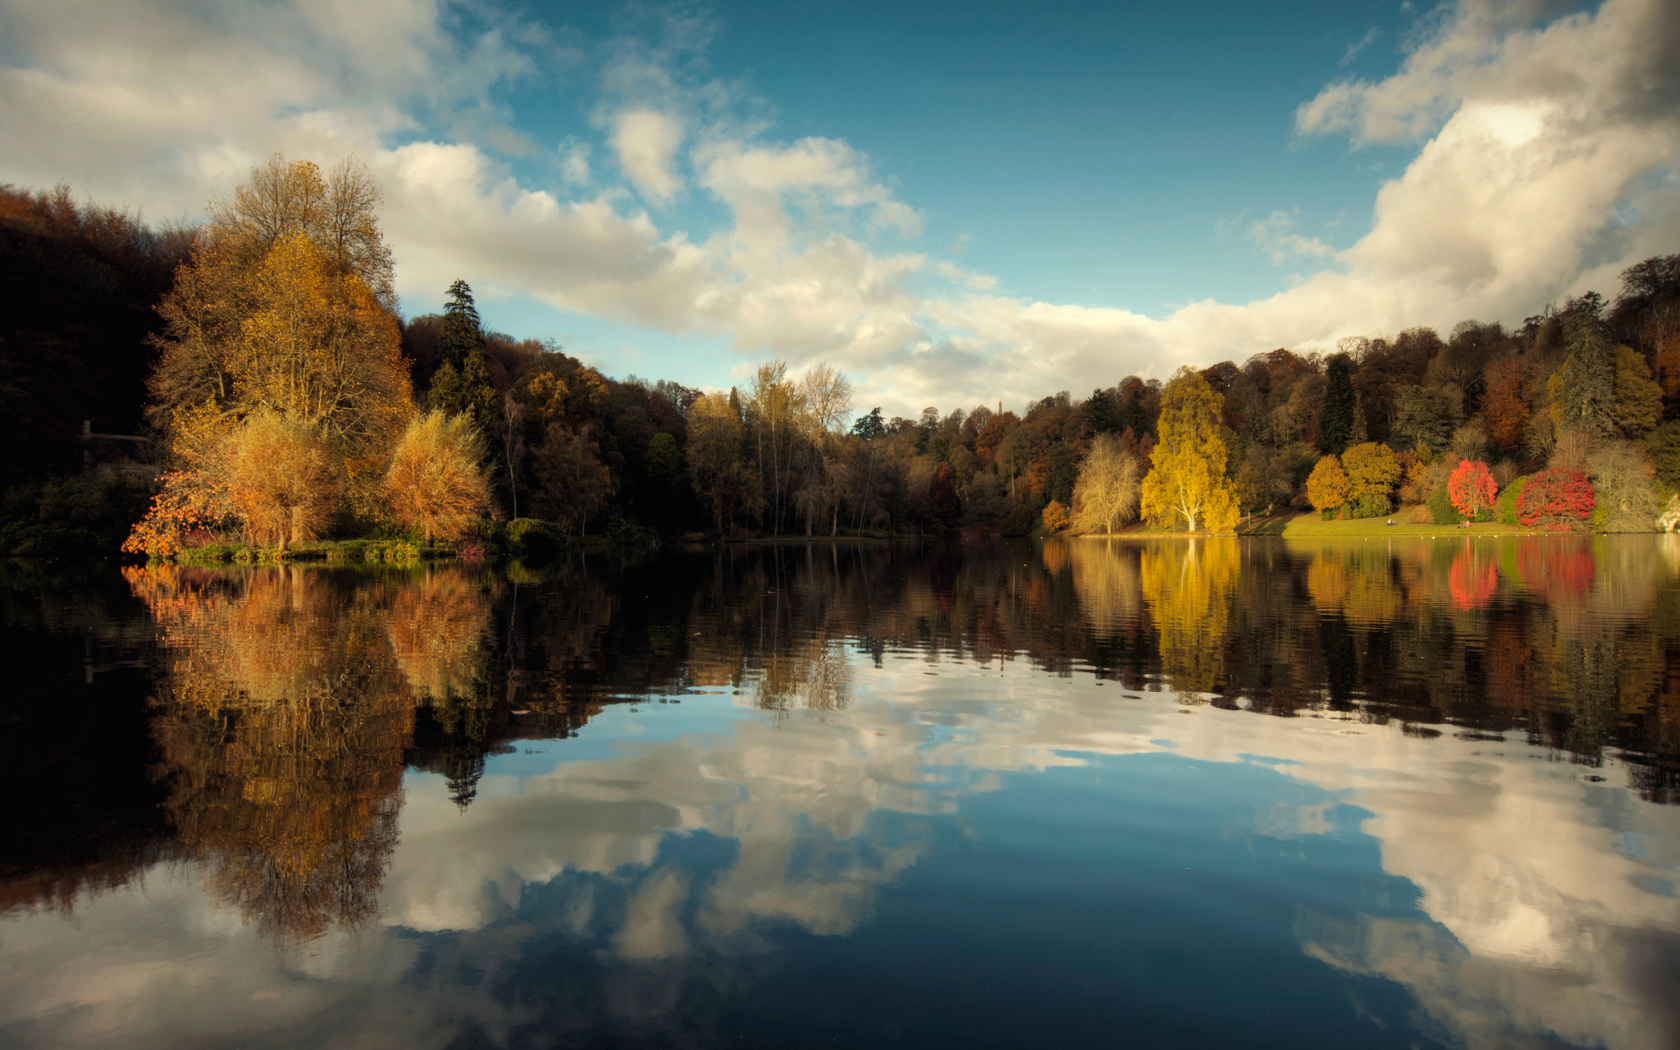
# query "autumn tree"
(1055, 516)
(274, 312)
(720, 476)
(1328, 486)
(1638, 398)
(1187, 480)
(1471, 488)
(1106, 493)
(436, 482)
(282, 479)
(1372, 472)
(337, 212)
(1505, 407)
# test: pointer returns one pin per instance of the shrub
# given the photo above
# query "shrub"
(1556, 499)
(1055, 516)
(1019, 520)
(533, 536)
(1508, 501)
(1441, 510)
(1370, 505)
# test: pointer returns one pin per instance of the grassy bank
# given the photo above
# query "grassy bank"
(1311, 526)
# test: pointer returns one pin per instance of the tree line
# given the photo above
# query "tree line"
(265, 353)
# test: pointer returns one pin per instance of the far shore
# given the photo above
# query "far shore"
(1310, 526)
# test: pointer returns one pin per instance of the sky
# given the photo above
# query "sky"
(952, 203)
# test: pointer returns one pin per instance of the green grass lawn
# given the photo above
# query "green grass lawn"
(1311, 526)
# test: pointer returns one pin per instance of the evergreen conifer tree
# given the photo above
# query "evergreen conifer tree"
(461, 334)
(1335, 419)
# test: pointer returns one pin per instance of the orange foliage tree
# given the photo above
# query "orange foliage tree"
(1328, 485)
(435, 482)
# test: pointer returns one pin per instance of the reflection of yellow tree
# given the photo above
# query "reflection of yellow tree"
(284, 723)
(1357, 582)
(1188, 588)
(1106, 578)
(437, 628)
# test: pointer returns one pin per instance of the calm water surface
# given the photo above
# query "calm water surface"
(1227, 793)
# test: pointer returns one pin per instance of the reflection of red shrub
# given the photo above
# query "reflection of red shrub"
(1553, 572)
(1472, 581)
(1556, 499)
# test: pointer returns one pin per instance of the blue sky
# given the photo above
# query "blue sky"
(952, 203)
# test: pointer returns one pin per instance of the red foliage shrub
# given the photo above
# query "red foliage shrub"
(1556, 499)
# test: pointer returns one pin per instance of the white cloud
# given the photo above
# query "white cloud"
(574, 162)
(1275, 236)
(646, 143)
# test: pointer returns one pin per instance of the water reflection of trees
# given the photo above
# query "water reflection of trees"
(287, 702)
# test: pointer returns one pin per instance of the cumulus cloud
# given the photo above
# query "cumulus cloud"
(1547, 162)
(646, 143)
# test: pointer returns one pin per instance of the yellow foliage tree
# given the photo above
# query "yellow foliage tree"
(435, 482)
(1372, 469)
(280, 478)
(1187, 481)
(1055, 516)
(1328, 486)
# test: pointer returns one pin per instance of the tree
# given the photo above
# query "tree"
(436, 481)
(1506, 406)
(1372, 470)
(1423, 416)
(281, 480)
(722, 480)
(1558, 498)
(1328, 486)
(942, 499)
(1638, 398)
(1336, 417)
(1584, 386)
(1471, 488)
(462, 334)
(337, 213)
(870, 427)
(1621, 480)
(285, 305)
(1663, 444)
(1055, 516)
(1187, 480)
(573, 483)
(1106, 493)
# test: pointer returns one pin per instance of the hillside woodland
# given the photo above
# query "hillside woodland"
(284, 398)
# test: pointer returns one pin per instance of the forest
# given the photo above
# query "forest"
(252, 380)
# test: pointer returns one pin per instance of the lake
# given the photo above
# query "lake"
(1214, 793)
